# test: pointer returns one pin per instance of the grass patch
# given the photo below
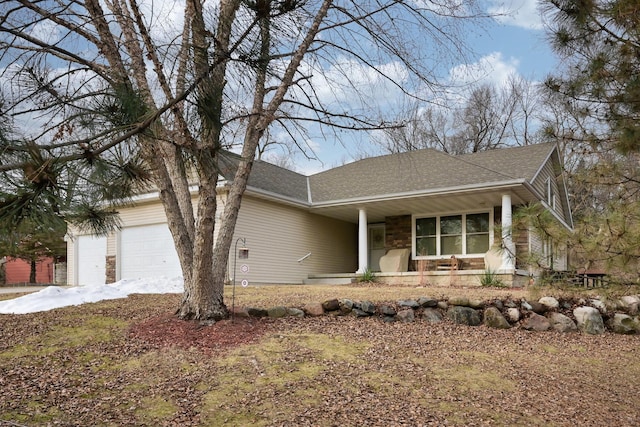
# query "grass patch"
(281, 363)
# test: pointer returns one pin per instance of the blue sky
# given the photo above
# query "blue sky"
(512, 43)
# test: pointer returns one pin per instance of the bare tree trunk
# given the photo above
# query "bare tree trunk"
(32, 272)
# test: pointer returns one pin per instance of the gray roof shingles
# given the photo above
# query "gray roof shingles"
(425, 170)
(414, 171)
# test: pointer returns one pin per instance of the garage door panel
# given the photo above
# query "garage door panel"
(148, 251)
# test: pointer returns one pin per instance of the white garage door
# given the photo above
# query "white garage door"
(148, 251)
(91, 255)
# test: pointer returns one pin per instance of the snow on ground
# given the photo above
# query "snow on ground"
(56, 297)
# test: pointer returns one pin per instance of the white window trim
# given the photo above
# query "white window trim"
(464, 233)
(551, 194)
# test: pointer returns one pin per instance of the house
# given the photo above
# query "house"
(448, 213)
(17, 271)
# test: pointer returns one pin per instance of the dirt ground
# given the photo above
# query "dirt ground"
(131, 362)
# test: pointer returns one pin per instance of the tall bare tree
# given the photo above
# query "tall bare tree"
(489, 117)
(129, 91)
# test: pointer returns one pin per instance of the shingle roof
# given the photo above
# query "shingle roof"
(414, 171)
(268, 177)
(424, 170)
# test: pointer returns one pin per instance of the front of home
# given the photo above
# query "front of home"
(337, 224)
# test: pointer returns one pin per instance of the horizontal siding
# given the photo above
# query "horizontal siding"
(540, 184)
(278, 236)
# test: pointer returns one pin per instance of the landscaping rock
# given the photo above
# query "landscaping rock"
(331, 305)
(406, 316)
(537, 307)
(526, 306)
(589, 320)
(387, 310)
(464, 315)
(622, 324)
(476, 303)
(408, 303)
(561, 323)
(498, 304)
(431, 315)
(633, 309)
(368, 307)
(459, 301)
(536, 322)
(239, 312)
(443, 305)
(295, 312)
(277, 312)
(494, 319)
(313, 309)
(257, 312)
(427, 302)
(346, 305)
(599, 305)
(389, 319)
(629, 300)
(513, 314)
(360, 313)
(549, 302)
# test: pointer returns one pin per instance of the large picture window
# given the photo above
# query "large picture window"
(464, 234)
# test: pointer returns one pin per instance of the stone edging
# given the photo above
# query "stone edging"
(592, 316)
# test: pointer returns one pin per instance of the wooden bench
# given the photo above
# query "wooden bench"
(452, 263)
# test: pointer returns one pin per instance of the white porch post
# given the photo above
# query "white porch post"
(509, 249)
(363, 250)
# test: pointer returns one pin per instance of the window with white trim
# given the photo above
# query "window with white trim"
(463, 234)
(551, 194)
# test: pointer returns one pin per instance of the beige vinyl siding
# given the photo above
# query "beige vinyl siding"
(71, 258)
(278, 236)
(540, 184)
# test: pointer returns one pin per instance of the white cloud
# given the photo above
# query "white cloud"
(518, 13)
(492, 68)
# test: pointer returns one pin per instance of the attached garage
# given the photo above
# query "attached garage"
(91, 260)
(147, 251)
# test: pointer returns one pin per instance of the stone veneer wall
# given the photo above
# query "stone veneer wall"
(111, 269)
(397, 232)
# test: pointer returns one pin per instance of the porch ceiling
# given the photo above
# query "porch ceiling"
(377, 210)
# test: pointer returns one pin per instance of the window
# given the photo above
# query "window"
(452, 235)
(551, 196)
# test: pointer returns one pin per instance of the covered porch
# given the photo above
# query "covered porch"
(463, 224)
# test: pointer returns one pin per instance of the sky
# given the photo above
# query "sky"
(56, 297)
(512, 43)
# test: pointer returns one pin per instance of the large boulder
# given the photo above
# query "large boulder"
(277, 312)
(549, 302)
(431, 315)
(331, 305)
(494, 319)
(459, 301)
(561, 323)
(536, 322)
(589, 320)
(406, 316)
(313, 309)
(464, 315)
(387, 310)
(408, 303)
(427, 302)
(513, 314)
(622, 324)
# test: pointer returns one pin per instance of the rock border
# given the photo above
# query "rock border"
(592, 316)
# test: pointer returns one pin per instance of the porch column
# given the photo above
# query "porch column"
(363, 249)
(508, 248)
